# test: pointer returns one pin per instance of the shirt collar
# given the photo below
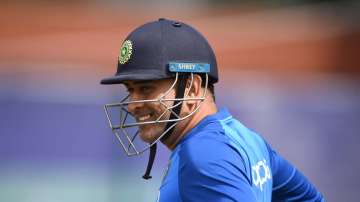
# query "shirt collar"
(221, 114)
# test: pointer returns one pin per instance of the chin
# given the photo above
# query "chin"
(147, 137)
(149, 134)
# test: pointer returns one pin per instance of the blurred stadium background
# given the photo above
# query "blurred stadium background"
(289, 70)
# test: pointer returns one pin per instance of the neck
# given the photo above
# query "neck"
(183, 127)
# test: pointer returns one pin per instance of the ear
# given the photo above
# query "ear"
(193, 87)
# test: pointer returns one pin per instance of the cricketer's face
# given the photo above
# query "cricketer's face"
(150, 111)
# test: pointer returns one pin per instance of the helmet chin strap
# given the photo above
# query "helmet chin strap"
(179, 94)
(152, 155)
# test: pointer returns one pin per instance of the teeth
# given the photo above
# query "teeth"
(143, 118)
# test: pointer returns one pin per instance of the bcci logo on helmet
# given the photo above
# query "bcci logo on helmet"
(125, 52)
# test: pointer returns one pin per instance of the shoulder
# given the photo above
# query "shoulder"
(211, 169)
(210, 149)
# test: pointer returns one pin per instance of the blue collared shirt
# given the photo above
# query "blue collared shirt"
(222, 160)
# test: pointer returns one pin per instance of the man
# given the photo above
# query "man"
(169, 70)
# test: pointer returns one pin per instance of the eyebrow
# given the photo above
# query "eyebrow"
(139, 82)
(142, 82)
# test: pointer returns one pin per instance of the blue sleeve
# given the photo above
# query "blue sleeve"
(288, 183)
(213, 171)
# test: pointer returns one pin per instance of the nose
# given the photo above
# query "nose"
(133, 107)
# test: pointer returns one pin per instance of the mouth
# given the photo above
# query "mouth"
(144, 118)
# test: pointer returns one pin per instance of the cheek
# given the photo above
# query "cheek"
(170, 95)
(159, 108)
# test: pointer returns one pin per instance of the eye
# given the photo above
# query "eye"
(130, 90)
(145, 89)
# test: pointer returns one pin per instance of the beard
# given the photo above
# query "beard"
(151, 132)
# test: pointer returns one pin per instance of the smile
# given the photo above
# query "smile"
(144, 118)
